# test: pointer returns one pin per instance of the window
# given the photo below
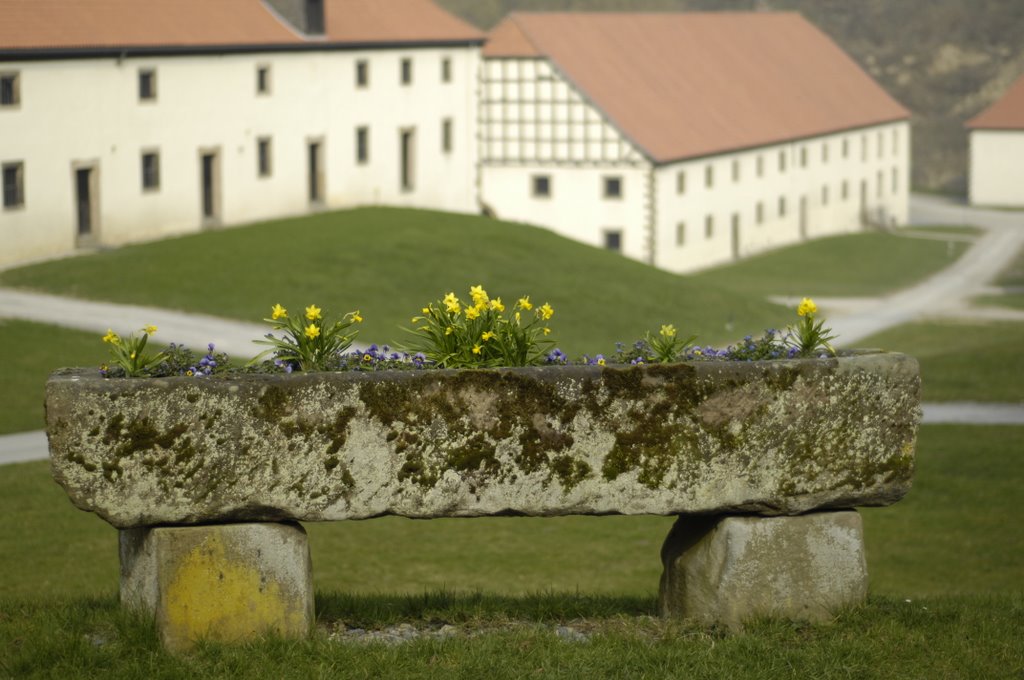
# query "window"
(446, 70)
(782, 161)
(681, 233)
(759, 213)
(14, 185)
(263, 160)
(880, 181)
(709, 226)
(895, 141)
(824, 152)
(446, 135)
(362, 145)
(845, 191)
(541, 186)
(895, 180)
(613, 239)
(824, 195)
(863, 147)
(613, 187)
(803, 157)
(406, 71)
(680, 182)
(846, 147)
(709, 176)
(150, 171)
(263, 79)
(880, 145)
(10, 89)
(782, 206)
(147, 84)
(760, 165)
(362, 73)
(736, 171)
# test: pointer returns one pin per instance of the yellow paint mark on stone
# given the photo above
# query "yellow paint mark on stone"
(215, 595)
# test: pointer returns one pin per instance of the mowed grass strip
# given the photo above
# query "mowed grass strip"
(33, 351)
(852, 265)
(949, 637)
(388, 263)
(962, 361)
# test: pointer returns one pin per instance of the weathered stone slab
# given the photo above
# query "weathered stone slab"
(230, 582)
(780, 437)
(728, 570)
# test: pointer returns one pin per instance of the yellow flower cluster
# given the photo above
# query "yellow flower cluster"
(807, 307)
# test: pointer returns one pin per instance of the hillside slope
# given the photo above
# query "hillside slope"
(945, 60)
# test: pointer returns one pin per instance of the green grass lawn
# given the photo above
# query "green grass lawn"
(854, 265)
(32, 351)
(1013, 275)
(962, 362)
(949, 547)
(389, 262)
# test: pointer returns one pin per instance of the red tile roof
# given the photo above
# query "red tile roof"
(71, 24)
(682, 85)
(1006, 114)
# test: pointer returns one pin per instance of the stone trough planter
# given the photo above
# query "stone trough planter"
(720, 444)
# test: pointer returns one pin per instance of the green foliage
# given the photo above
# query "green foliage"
(810, 337)
(667, 346)
(307, 343)
(128, 353)
(456, 335)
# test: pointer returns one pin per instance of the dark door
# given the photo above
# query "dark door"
(83, 196)
(315, 173)
(209, 166)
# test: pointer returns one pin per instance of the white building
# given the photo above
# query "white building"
(996, 173)
(686, 140)
(126, 120)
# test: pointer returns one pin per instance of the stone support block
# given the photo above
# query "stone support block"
(730, 569)
(230, 582)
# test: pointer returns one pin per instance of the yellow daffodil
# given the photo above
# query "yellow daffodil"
(472, 313)
(449, 330)
(357, 317)
(517, 317)
(111, 337)
(496, 305)
(313, 313)
(524, 303)
(546, 311)
(132, 355)
(477, 349)
(312, 331)
(488, 335)
(452, 303)
(806, 307)
(149, 330)
(547, 331)
(668, 331)
(278, 312)
(478, 294)
(425, 310)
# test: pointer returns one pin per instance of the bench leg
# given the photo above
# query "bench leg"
(729, 569)
(227, 582)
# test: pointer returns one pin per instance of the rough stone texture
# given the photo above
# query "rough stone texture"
(228, 582)
(727, 570)
(780, 437)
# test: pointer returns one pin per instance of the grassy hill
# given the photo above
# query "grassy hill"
(945, 61)
(389, 262)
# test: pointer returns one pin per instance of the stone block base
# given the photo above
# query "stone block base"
(228, 582)
(726, 570)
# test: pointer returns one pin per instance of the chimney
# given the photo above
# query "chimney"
(306, 16)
